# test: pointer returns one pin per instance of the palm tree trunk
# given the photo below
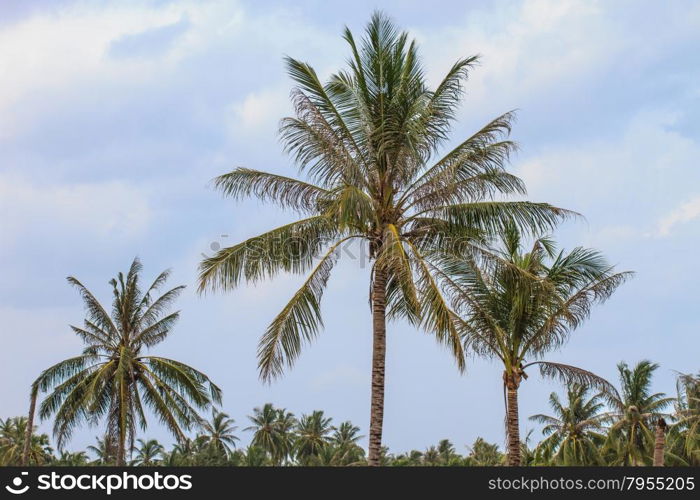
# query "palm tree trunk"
(378, 365)
(30, 425)
(659, 443)
(512, 421)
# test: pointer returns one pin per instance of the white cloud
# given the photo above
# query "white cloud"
(105, 210)
(686, 212)
(624, 180)
(260, 111)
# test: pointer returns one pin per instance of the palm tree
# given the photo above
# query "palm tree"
(685, 432)
(517, 306)
(112, 379)
(149, 453)
(68, 459)
(313, 435)
(344, 440)
(105, 450)
(367, 142)
(447, 452)
(573, 430)
(219, 433)
(482, 453)
(272, 429)
(13, 433)
(635, 411)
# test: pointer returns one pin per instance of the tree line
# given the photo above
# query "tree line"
(583, 427)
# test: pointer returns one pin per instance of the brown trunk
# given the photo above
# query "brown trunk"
(378, 364)
(659, 443)
(121, 451)
(512, 423)
(30, 426)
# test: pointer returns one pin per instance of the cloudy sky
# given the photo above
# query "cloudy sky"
(115, 116)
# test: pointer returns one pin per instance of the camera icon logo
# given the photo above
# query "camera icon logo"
(16, 488)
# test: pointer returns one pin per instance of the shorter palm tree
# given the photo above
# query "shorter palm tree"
(218, 434)
(273, 432)
(113, 380)
(13, 433)
(516, 306)
(313, 435)
(68, 459)
(344, 442)
(635, 410)
(574, 436)
(482, 453)
(148, 453)
(105, 450)
(684, 434)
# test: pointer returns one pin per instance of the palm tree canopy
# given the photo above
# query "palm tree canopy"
(573, 437)
(518, 305)
(219, 432)
(114, 378)
(371, 145)
(634, 412)
(148, 453)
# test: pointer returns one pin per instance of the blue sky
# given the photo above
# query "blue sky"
(115, 116)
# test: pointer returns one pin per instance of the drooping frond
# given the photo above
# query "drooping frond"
(573, 375)
(289, 248)
(298, 322)
(285, 191)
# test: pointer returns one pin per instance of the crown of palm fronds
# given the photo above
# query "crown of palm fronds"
(368, 143)
(113, 378)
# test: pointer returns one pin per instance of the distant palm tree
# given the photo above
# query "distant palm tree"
(218, 434)
(255, 456)
(635, 412)
(113, 379)
(313, 435)
(447, 451)
(105, 450)
(13, 433)
(67, 459)
(273, 432)
(574, 436)
(685, 432)
(431, 457)
(482, 453)
(368, 141)
(518, 306)
(345, 443)
(148, 453)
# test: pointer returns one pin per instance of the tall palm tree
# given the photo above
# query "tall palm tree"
(313, 435)
(518, 306)
(574, 436)
(148, 453)
(273, 432)
(112, 379)
(634, 413)
(218, 434)
(368, 143)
